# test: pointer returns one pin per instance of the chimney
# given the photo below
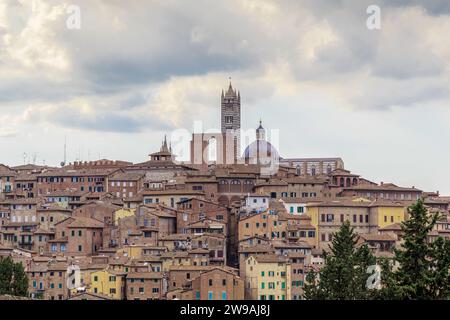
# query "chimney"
(382, 182)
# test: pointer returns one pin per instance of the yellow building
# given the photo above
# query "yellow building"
(109, 283)
(384, 214)
(267, 277)
(365, 215)
(122, 213)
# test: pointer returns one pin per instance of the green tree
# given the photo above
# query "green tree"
(13, 279)
(6, 275)
(422, 268)
(344, 275)
(19, 285)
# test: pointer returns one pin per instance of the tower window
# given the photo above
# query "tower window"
(228, 119)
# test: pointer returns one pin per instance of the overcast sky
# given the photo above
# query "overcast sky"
(136, 70)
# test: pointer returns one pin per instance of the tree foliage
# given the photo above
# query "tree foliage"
(344, 275)
(421, 268)
(13, 279)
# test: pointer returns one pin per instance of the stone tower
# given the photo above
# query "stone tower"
(230, 115)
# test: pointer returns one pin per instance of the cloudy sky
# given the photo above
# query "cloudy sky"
(136, 70)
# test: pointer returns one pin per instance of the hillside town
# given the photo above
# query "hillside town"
(222, 229)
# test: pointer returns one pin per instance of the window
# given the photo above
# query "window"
(80, 248)
(354, 218)
(342, 218)
(392, 218)
(330, 217)
(361, 218)
(210, 282)
(79, 233)
(224, 282)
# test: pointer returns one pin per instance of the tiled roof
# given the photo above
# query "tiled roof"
(84, 222)
(376, 237)
(144, 275)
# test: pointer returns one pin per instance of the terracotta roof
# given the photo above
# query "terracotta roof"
(382, 187)
(43, 231)
(393, 227)
(189, 268)
(198, 251)
(376, 237)
(270, 258)
(84, 222)
(256, 249)
(77, 172)
(144, 275)
(126, 176)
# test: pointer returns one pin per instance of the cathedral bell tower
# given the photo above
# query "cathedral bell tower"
(230, 114)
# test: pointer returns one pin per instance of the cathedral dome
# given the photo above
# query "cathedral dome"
(260, 151)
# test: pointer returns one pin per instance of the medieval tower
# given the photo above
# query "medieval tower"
(230, 114)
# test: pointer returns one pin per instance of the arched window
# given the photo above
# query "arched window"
(313, 170)
(298, 170)
(212, 149)
(329, 169)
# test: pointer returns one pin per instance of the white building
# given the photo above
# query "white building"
(257, 202)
